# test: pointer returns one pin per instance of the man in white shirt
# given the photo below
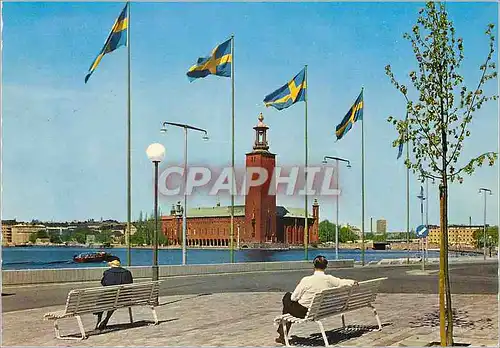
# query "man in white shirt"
(298, 302)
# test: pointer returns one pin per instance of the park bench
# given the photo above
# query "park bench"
(335, 301)
(106, 298)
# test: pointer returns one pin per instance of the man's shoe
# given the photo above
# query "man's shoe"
(101, 326)
(280, 340)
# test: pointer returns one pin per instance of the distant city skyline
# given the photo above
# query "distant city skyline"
(64, 141)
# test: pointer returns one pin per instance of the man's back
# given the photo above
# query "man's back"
(319, 281)
(297, 303)
(116, 276)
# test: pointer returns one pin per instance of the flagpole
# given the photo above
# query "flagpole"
(231, 244)
(306, 229)
(407, 194)
(363, 184)
(129, 180)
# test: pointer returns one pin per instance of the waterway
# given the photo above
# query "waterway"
(62, 257)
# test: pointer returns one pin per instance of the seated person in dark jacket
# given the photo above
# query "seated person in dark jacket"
(115, 275)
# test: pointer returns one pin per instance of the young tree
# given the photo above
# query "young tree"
(55, 238)
(38, 234)
(491, 237)
(104, 237)
(438, 114)
(33, 237)
(347, 235)
(326, 231)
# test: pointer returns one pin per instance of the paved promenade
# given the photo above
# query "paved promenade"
(466, 278)
(238, 310)
(239, 319)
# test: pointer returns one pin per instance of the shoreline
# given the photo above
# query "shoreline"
(342, 247)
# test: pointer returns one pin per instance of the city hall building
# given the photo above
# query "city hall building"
(258, 223)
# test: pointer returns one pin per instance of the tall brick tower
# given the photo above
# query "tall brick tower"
(260, 206)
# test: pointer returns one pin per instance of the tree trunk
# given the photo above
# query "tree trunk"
(449, 308)
(445, 315)
(442, 258)
(445, 306)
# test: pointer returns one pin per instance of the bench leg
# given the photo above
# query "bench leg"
(130, 315)
(343, 320)
(80, 326)
(323, 333)
(56, 328)
(378, 319)
(154, 315)
(285, 333)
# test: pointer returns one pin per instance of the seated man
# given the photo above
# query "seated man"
(115, 275)
(298, 302)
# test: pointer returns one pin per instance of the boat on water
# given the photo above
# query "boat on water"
(99, 256)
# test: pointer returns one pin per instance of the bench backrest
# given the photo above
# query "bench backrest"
(105, 298)
(338, 300)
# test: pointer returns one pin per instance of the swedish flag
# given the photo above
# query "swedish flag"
(117, 37)
(400, 148)
(289, 94)
(354, 114)
(218, 63)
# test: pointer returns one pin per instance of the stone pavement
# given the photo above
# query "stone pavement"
(242, 319)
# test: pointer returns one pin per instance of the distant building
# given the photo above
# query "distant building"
(381, 226)
(42, 241)
(21, 232)
(90, 239)
(117, 237)
(354, 229)
(257, 223)
(57, 230)
(459, 236)
(7, 231)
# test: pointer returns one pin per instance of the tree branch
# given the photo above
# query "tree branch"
(468, 112)
(471, 163)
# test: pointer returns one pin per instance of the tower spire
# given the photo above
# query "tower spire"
(261, 128)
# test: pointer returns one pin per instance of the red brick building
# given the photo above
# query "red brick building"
(258, 223)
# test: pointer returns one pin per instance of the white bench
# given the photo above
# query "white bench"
(106, 298)
(335, 301)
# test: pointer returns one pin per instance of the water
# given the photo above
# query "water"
(62, 257)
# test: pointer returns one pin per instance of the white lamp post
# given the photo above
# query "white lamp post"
(484, 190)
(156, 154)
(186, 127)
(337, 159)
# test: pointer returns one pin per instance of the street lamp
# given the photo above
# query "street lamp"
(427, 211)
(205, 137)
(337, 159)
(422, 199)
(238, 229)
(484, 190)
(156, 153)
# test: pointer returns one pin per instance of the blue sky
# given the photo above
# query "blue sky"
(64, 142)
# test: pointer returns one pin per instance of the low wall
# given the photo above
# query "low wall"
(67, 275)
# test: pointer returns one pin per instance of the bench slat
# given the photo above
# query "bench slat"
(99, 299)
(112, 297)
(361, 296)
(327, 296)
(332, 299)
(113, 294)
(357, 302)
(338, 300)
(327, 311)
(110, 303)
